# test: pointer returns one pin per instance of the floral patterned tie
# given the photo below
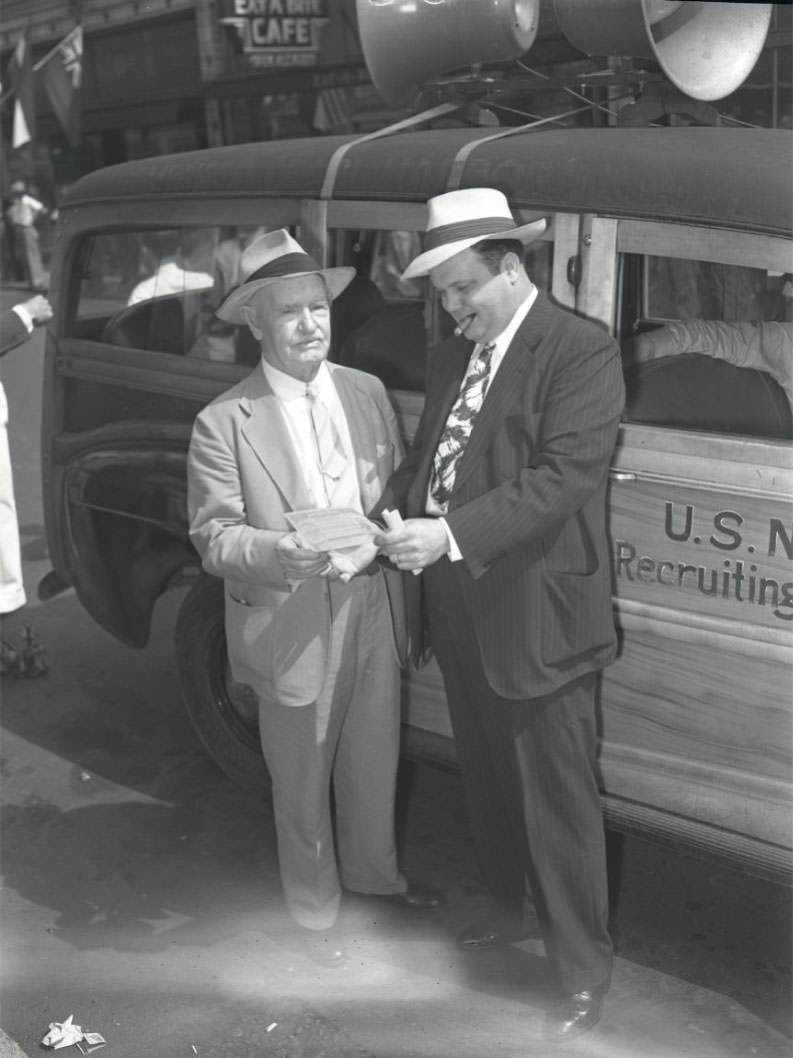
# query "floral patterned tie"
(458, 427)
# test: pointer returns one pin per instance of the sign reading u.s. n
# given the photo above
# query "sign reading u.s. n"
(696, 553)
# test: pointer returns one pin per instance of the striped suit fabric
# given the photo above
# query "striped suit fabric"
(522, 625)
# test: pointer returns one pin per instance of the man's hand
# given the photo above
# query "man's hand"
(417, 543)
(353, 560)
(649, 345)
(38, 308)
(299, 563)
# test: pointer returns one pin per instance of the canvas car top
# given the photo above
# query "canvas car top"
(662, 174)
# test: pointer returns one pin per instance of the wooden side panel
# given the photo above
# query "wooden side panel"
(684, 699)
(700, 733)
(699, 549)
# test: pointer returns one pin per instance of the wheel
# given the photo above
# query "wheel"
(224, 713)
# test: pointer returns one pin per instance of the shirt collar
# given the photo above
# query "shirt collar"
(503, 341)
(287, 388)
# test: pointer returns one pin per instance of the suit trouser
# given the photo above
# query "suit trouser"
(349, 735)
(528, 769)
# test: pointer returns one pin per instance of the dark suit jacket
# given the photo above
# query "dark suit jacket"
(528, 506)
(12, 331)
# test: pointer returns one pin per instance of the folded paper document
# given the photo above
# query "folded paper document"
(332, 529)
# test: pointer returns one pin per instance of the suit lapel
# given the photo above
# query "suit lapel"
(509, 380)
(266, 432)
(361, 433)
(365, 437)
(455, 355)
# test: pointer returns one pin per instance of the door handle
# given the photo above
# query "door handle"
(621, 475)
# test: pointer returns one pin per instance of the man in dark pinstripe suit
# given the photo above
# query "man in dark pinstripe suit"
(503, 494)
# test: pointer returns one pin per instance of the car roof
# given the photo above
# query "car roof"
(727, 177)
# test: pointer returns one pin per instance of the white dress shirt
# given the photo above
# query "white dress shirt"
(291, 394)
(502, 342)
(170, 278)
(24, 209)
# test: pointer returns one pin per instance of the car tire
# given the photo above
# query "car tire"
(224, 714)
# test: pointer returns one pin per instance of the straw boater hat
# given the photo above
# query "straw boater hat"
(459, 219)
(276, 255)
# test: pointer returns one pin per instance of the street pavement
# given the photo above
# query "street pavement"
(9, 1049)
(141, 893)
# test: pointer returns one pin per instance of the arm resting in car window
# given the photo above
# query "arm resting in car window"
(765, 346)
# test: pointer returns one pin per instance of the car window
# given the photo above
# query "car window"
(379, 322)
(538, 260)
(383, 323)
(710, 346)
(158, 291)
(676, 289)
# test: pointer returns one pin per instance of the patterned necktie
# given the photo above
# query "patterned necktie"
(458, 427)
(327, 439)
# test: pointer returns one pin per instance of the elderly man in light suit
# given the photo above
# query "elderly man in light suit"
(503, 492)
(320, 648)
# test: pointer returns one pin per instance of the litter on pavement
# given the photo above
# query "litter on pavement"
(67, 1034)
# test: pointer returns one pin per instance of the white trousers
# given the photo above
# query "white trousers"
(12, 591)
(349, 736)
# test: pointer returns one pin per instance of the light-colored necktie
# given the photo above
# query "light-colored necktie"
(458, 427)
(328, 443)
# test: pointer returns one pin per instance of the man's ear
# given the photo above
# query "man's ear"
(510, 265)
(250, 318)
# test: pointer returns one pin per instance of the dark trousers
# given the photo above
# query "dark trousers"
(528, 770)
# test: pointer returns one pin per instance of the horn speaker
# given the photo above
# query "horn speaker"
(706, 49)
(408, 42)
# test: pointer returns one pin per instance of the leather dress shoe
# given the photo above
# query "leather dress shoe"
(492, 934)
(574, 1015)
(417, 897)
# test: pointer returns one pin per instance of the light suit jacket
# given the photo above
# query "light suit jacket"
(528, 507)
(243, 477)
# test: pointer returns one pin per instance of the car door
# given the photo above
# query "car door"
(696, 712)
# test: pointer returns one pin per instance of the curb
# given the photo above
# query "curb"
(9, 1049)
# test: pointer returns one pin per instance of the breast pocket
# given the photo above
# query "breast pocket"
(517, 446)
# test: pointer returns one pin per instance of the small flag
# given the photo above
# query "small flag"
(62, 73)
(20, 75)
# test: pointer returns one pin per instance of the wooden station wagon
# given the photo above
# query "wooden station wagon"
(649, 227)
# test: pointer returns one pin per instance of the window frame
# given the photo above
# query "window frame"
(732, 247)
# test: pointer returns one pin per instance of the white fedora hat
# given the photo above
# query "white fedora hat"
(458, 219)
(276, 255)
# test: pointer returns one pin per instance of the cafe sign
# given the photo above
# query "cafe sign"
(277, 32)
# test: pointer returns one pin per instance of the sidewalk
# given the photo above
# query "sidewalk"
(9, 1049)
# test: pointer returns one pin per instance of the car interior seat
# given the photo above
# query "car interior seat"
(157, 325)
(360, 300)
(695, 392)
(391, 344)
